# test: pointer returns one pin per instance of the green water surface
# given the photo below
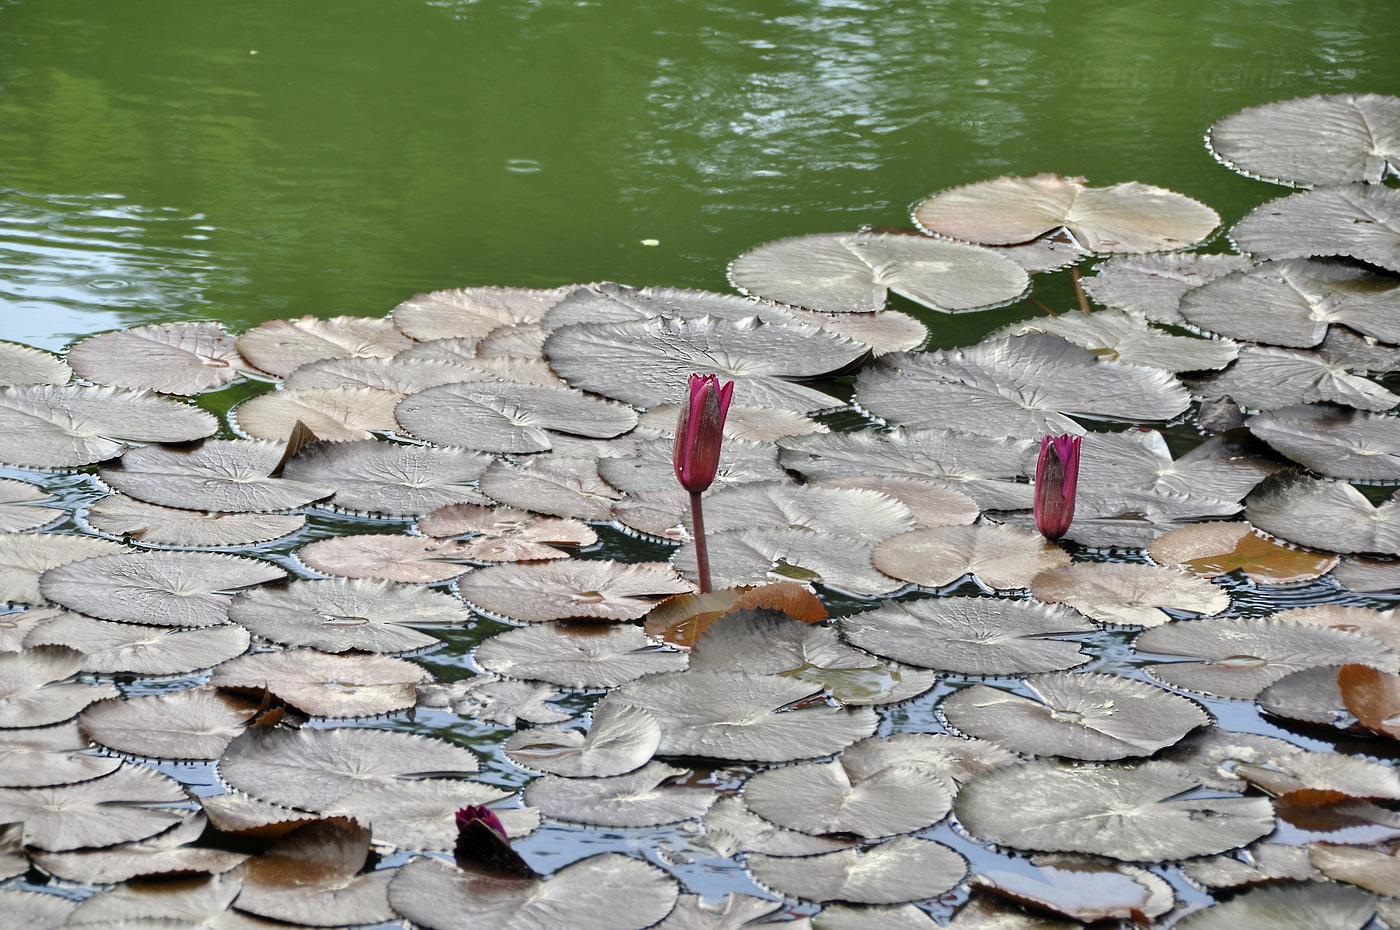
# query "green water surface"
(246, 160)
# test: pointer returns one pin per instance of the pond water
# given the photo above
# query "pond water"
(253, 161)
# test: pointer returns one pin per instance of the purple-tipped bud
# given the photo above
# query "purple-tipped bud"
(1056, 479)
(699, 432)
(482, 845)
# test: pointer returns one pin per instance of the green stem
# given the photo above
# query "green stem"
(702, 553)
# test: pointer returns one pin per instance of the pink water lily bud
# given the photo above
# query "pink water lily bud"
(1056, 479)
(483, 846)
(699, 432)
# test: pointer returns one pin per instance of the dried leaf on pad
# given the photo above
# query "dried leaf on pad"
(682, 619)
(1373, 696)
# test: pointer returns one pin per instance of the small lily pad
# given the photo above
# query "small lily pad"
(407, 559)
(1000, 557)
(1128, 594)
(827, 797)
(622, 738)
(279, 347)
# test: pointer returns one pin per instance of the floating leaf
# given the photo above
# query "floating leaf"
(312, 769)
(189, 589)
(651, 469)
(1128, 217)
(1256, 864)
(681, 620)
(26, 556)
(1310, 695)
(24, 506)
(647, 362)
(491, 699)
(132, 803)
(622, 738)
(33, 690)
(1000, 557)
(1366, 576)
(1323, 139)
(608, 302)
(954, 759)
(902, 869)
(827, 797)
(1311, 906)
(152, 524)
(735, 912)
(35, 910)
(1022, 386)
(1333, 441)
(884, 331)
(557, 485)
(138, 648)
(45, 756)
(407, 559)
(1213, 549)
(399, 374)
(473, 312)
(326, 685)
(640, 799)
(601, 589)
(1116, 336)
(1083, 888)
(47, 426)
(418, 814)
(848, 513)
(725, 715)
(281, 346)
(20, 364)
(730, 827)
(1078, 716)
(606, 892)
(388, 478)
(1237, 657)
(984, 469)
(170, 358)
(503, 534)
(756, 557)
(1373, 696)
(1357, 221)
(311, 877)
(1154, 285)
(1266, 378)
(755, 424)
(1373, 869)
(337, 615)
(1127, 594)
(197, 723)
(576, 655)
(971, 635)
(164, 855)
(508, 417)
(332, 414)
(230, 475)
(1329, 515)
(1140, 813)
(854, 272)
(1313, 779)
(929, 503)
(984, 912)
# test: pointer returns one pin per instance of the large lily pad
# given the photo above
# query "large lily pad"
(1213, 549)
(1117, 336)
(1140, 813)
(24, 557)
(1328, 515)
(1319, 140)
(152, 524)
(333, 414)
(326, 685)
(1022, 386)
(854, 272)
(828, 797)
(1310, 906)
(227, 475)
(1128, 594)
(132, 803)
(1357, 221)
(1267, 378)
(24, 506)
(899, 870)
(1334, 441)
(1128, 217)
(66, 426)
(1154, 285)
(508, 417)
(169, 358)
(21, 364)
(576, 655)
(593, 589)
(197, 723)
(389, 478)
(138, 648)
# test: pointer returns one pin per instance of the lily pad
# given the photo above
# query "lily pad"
(1328, 515)
(67, 426)
(734, 912)
(828, 797)
(332, 414)
(1139, 813)
(188, 589)
(971, 635)
(279, 347)
(24, 557)
(609, 302)
(562, 486)
(504, 534)
(312, 877)
(1333, 441)
(326, 685)
(21, 364)
(418, 814)
(141, 649)
(1267, 378)
(197, 723)
(132, 803)
(1128, 594)
(622, 738)
(407, 559)
(1154, 285)
(152, 524)
(1083, 715)
(854, 272)
(1319, 140)
(165, 854)
(473, 312)
(389, 478)
(491, 699)
(593, 589)
(1128, 217)
(899, 870)
(46, 756)
(34, 691)
(576, 655)
(1117, 336)
(169, 358)
(651, 468)
(730, 827)
(1001, 557)
(640, 799)
(1083, 888)
(508, 417)
(1214, 549)
(1310, 906)
(759, 556)
(1022, 386)
(338, 615)
(606, 892)
(228, 475)
(1358, 221)
(848, 513)
(1375, 870)
(24, 506)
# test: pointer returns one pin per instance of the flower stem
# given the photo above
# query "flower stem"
(702, 553)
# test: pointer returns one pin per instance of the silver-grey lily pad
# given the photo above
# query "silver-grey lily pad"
(1267, 378)
(849, 513)
(1139, 813)
(621, 738)
(508, 417)
(1334, 441)
(1319, 140)
(169, 358)
(899, 870)
(189, 589)
(1001, 557)
(651, 469)
(197, 723)
(35, 692)
(332, 414)
(639, 799)
(140, 649)
(37, 757)
(389, 478)
(854, 272)
(971, 635)
(24, 557)
(1022, 386)
(758, 556)
(407, 559)
(280, 347)
(473, 312)
(165, 854)
(1360, 221)
(132, 803)
(576, 655)
(827, 797)
(1117, 336)
(1128, 594)
(21, 364)
(730, 828)
(1309, 906)
(151, 524)
(228, 475)
(561, 486)
(24, 506)
(1328, 515)
(324, 684)
(1153, 285)
(1083, 715)
(608, 302)
(576, 588)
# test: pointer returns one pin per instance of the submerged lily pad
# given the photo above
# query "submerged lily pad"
(1319, 140)
(1360, 221)
(1139, 813)
(228, 475)
(854, 272)
(169, 358)
(1128, 217)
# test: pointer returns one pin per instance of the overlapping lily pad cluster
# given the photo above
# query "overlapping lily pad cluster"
(272, 591)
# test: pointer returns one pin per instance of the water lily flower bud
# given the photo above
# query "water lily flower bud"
(482, 844)
(698, 434)
(1056, 479)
